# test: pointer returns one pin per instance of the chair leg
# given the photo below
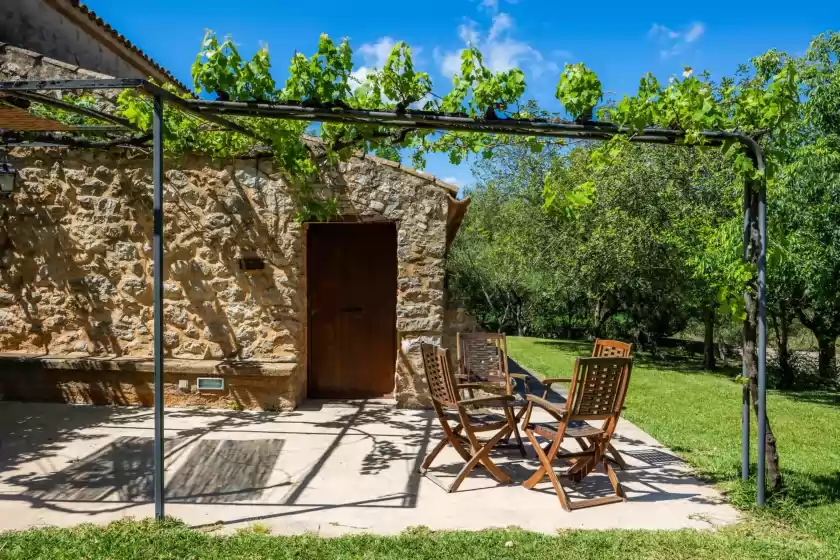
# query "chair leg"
(515, 429)
(427, 462)
(483, 453)
(462, 474)
(480, 457)
(546, 469)
(619, 491)
(537, 477)
(450, 438)
(619, 460)
(584, 445)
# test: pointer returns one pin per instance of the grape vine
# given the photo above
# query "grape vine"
(757, 102)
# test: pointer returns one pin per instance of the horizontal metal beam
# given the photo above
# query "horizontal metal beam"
(86, 111)
(185, 105)
(71, 141)
(124, 83)
(43, 85)
(213, 111)
(425, 120)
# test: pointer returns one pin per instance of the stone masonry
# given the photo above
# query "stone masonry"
(76, 260)
(76, 267)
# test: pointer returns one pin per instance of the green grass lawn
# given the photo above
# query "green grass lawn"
(698, 415)
(173, 541)
(694, 413)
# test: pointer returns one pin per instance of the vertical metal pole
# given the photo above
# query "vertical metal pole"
(745, 391)
(157, 244)
(762, 337)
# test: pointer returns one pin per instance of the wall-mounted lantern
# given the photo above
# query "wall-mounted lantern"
(8, 177)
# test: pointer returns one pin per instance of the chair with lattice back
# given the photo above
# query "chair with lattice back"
(483, 364)
(457, 415)
(596, 394)
(603, 349)
(611, 349)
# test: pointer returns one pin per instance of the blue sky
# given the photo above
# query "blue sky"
(619, 40)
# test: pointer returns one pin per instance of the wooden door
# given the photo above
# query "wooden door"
(352, 290)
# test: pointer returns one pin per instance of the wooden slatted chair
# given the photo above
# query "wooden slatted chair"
(606, 349)
(455, 416)
(603, 349)
(483, 360)
(596, 393)
(611, 348)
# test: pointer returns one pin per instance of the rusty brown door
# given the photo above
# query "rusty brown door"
(352, 290)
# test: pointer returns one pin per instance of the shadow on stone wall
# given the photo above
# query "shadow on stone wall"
(76, 262)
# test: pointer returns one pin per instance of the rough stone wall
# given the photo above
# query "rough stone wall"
(34, 25)
(21, 64)
(76, 259)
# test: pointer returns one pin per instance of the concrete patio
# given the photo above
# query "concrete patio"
(327, 467)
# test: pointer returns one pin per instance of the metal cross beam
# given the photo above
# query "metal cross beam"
(86, 111)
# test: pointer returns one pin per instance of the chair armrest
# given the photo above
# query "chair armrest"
(485, 400)
(549, 380)
(470, 385)
(552, 408)
(522, 376)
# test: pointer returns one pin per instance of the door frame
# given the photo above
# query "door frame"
(342, 221)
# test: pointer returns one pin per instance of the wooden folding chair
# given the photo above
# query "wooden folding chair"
(603, 349)
(596, 393)
(608, 349)
(451, 409)
(483, 364)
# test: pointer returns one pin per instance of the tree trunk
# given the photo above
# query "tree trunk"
(827, 356)
(826, 334)
(781, 325)
(601, 318)
(709, 339)
(597, 323)
(750, 355)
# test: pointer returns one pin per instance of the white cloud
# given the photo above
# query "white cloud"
(657, 30)
(420, 105)
(696, 31)
(492, 6)
(468, 32)
(671, 42)
(501, 50)
(376, 54)
(508, 53)
(501, 23)
(452, 181)
(450, 62)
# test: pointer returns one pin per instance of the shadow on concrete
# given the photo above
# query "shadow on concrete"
(217, 460)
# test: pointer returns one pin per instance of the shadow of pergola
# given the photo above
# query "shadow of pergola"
(120, 474)
(231, 458)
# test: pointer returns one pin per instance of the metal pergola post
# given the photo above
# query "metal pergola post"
(157, 244)
(762, 339)
(215, 111)
(745, 375)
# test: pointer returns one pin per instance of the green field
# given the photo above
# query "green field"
(694, 413)
(697, 414)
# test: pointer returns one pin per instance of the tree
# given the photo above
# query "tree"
(808, 205)
(760, 102)
(504, 264)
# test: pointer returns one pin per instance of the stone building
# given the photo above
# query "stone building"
(260, 311)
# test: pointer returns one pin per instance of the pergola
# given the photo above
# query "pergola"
(40, 131)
